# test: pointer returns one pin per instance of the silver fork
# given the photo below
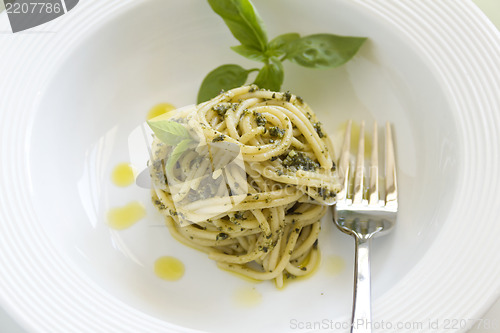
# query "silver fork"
(362, 213)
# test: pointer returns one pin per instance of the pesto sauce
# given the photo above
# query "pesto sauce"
(259, 119)
(221, 236)
(296, 160)
(219, 138)
(317, 127)
(276, 132)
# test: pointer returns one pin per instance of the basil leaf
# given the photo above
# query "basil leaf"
(224, 77)
(243, 20)
(169, 132)
(271, 76)
(249, 52)
(177, 153)
(323, 50)
(278, 46)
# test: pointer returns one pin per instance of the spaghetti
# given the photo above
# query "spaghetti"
(255, 204)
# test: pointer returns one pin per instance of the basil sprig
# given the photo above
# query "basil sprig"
(173, 134)
(169, 131)
(271, 76)
(243, 21)
(314, 51)
(224, 77)
(322, 50)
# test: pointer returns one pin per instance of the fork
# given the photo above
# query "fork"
(362, 213)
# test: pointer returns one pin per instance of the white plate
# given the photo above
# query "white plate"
(73, 90)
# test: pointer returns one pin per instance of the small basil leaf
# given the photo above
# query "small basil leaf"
(323, 50)
(169, 131)
(249, 52)
(242, 19)
(179, 149)
(279, 44)
(224, 77)
(271, 76)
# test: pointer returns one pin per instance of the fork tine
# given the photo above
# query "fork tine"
(374, 195)
(360, 162)
(391, 196)
(344, 163)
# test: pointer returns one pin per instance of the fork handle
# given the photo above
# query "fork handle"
(361, 310)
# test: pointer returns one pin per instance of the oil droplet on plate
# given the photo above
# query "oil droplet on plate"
(334, 265)
(124, 217)
(247, 296)
(123, 175)
(159, 109)
(169, 268)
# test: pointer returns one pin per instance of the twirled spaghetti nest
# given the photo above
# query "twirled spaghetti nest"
(262, 222)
